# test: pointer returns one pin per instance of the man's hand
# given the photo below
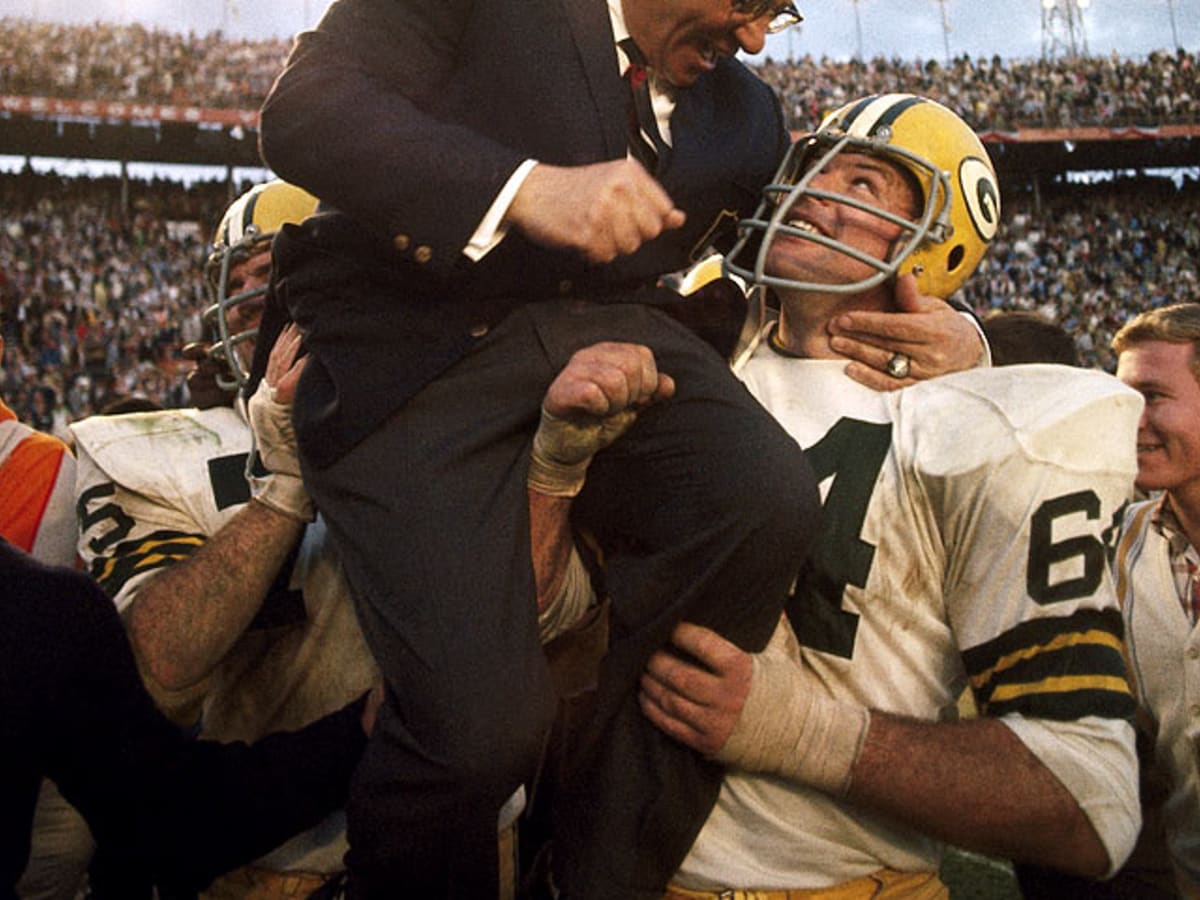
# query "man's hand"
(698, 706)
(603, 210)
(591, 403)
(760, 712)
(934, 336)
(285, 364)
(270, 411)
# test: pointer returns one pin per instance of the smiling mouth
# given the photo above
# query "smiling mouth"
(798, 223)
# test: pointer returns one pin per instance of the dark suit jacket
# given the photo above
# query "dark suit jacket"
(408, 117)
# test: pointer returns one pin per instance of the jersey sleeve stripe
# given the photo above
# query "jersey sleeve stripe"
(1069, 706)
(161, 549)
(1093, 637)
(1010, 692)
(1066, 668)
(1040, 633)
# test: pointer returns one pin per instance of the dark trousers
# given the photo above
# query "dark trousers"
(703, 509)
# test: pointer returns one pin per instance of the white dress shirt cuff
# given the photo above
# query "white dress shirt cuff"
(492, 228)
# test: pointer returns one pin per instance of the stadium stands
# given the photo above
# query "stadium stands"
(134, 64)
(100, 285)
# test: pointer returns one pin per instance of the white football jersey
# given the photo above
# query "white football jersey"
(963, 543)
(151, 489)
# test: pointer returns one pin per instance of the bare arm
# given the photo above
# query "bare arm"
(974, 784)
(550, 543)
(971, 783)
(187, 617)
(588, 406)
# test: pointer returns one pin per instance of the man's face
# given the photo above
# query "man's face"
(683, 39)
(252, 272)
(866, 178)
(1168, 438)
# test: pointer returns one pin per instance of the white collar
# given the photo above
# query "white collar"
(616, 16)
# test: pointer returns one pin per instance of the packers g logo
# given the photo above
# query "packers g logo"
(982, 196)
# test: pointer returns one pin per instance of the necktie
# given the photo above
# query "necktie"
(645, 140)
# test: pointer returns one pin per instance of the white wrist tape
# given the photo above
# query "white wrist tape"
(275, 440)
(285, 494)
(789, 727)
(563, 450)
(574, 598)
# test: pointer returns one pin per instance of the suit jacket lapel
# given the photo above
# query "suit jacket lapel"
(594, 40)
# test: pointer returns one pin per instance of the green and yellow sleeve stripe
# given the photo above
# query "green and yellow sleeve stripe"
(1058, 668)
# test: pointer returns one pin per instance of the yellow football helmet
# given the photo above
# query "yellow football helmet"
(248, 226)
(941, 246)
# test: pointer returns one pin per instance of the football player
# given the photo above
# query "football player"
(963, 544)
(233, 598)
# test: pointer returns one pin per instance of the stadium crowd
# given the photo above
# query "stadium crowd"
(134, 63)
(95, 307)
(1092, 255)
(999, 95)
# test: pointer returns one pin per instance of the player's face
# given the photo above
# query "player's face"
(1168, 438)
(252, 272)
(860, 176)
(683, 39)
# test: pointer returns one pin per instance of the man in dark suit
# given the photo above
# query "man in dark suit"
(484, 222)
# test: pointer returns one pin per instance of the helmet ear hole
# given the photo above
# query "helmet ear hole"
(956, 257)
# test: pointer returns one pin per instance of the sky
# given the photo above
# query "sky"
(906, 28)
(840, 29)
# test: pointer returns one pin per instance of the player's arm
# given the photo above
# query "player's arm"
(767, 713)
(187, 617)
(184, 596)
(188, 598)
(590, 404)
(976, 785)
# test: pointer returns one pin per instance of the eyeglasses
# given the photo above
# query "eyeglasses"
(783, 15)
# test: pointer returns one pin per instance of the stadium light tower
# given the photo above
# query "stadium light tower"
(1174, 33)
(945, 29)
(857, 30)
(1062, 28)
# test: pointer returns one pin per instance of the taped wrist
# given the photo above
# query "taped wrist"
(789, 727)
(285, 494)
(563, 450)
(574, 598)
(275, 443)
